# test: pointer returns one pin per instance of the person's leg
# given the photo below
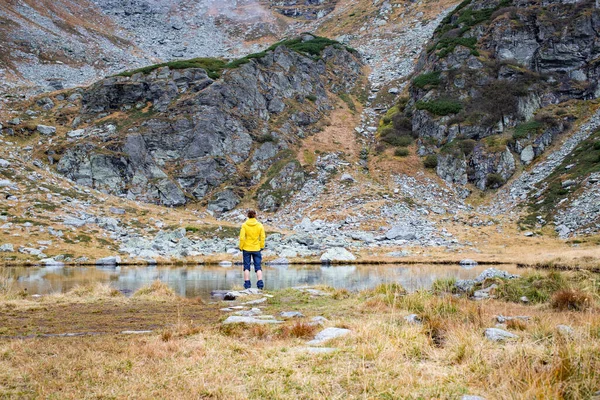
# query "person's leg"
(258, 269)
(246, 258)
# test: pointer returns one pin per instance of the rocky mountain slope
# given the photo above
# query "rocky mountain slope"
(305, 137)
(171, 135)
(500, 82)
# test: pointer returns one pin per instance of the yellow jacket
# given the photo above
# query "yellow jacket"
(252, 235)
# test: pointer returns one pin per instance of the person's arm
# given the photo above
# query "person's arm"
(262, 237)
(242, 237)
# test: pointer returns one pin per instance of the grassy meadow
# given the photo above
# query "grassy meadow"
(190, 354)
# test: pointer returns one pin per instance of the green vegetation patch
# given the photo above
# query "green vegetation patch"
(440, 107)
(212, 66)
(215, 66)
(428, 79)
(211, 231)
(431, 161)
(537, 287)
(459, 22)
(446, 45)
(523, 130)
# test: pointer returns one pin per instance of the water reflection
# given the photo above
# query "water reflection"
(194, 281)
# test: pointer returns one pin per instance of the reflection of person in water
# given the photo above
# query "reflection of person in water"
(252, 241)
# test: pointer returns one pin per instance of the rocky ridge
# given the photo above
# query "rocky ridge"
(485, 53)
(186, 136)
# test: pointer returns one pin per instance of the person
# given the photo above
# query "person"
(252, 242)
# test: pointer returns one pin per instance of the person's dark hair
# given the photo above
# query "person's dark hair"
(251, 214)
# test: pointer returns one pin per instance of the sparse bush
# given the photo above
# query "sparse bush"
(440, 107)
(570, 299)
(156, 289)
(494, 181)
(267, 137)
(525, 129)
(516, 324)
(402, 124)
(430, 161)
(311, 97)
(301, 330)
(537, 287)
(401, 152)
(94, 290)
(429, 79)
(444, 285)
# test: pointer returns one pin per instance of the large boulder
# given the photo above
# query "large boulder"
(337, 254)
(188, 135)
(400, 232)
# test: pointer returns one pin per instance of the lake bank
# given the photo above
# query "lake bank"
(429, 343)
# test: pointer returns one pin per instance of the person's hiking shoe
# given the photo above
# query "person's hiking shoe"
(260, 284)
(247, 285)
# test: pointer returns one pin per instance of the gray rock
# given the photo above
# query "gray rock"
(565, 330)
(7, 247)
(499, 335)
(471, 397)
(328, 334)
(399, 254)
(504, 319)
(346, 178)
(6, 183)
(76, 133)
(412, 319)
(568, 183)
(249, 313)
(528, 234)
(76, 222)
(484, 293)
(46, 130)
(4, 163)
(336, 254)
(468, 261)
(318, 320)
(400, 232)
(224, 201)
(291, 314)
(51, 262)
(524, 299)
(112, 260)
(236, 319)
(257, 301)
(115, 210)
(527, 155)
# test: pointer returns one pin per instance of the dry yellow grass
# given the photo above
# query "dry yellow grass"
(384, 357)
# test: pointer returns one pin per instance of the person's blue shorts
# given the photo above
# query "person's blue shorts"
(254, 256)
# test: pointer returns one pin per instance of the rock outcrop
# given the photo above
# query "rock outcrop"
(490, 91)
(171, 136)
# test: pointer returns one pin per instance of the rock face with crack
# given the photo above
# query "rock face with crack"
(480, 100)
(181, 135)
